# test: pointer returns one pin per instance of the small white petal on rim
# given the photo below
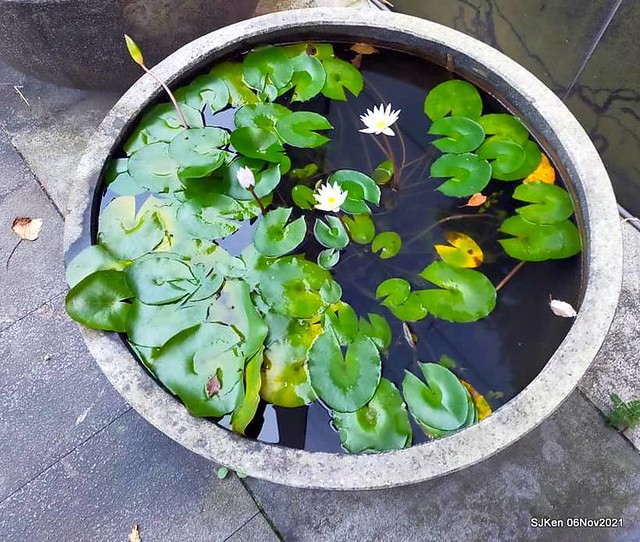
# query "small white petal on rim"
(562, 308)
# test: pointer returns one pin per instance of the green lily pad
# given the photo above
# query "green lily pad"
(381, 425)
(377, 329)
(126, 235)
(551, 203)
(532, 157)
(153, 168)
(247, 408)
(457, 97)
(257, 143)
(199, 151)
(274, 237)
(361, 228)
(506, 157)
(231, 74)
(393, 291)
(91, 259)
(161, 278)
(99, 301)
(321, 51)
(303, 197)
(299, 129)
(468, 174)
(472, 417)
(331, 234)
(410, 310)
(343, 320)
(346, 383)
(265, 67)
(359, 187)
(118, 179)
(504, 126)
(328, 258)
(466, 295)
(384, 172)
(341, 75)
(462, 134)
(536, 242)
(441, 402)
(309, 77)
(387, 243)
(189, 362)
(210, 218)
(261, 115)
(205, 90)
(304, 172)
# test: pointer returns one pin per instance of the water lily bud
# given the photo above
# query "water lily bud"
(246, 178)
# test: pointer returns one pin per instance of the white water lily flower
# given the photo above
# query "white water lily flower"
(379, 120)
(330, 197)
(246, 178)
(562, 308)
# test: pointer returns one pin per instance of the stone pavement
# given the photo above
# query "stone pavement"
(76, 463)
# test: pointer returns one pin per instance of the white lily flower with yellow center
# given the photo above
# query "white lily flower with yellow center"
(379, 120)
(329, 197)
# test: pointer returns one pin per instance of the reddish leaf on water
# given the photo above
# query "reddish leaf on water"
(213, 386)
(364, 49)
(476, 200)
(27, 228)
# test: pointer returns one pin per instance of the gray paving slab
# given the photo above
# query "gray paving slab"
(52, 394)
(35, 271)
(571, 466)
(257, 529)
(128, 474)
(617, 366)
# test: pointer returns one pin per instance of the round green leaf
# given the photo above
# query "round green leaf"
(205, 90)
(257, 143)
(532, 157)
(551, 203)
(377, 329)
(299, 129)
(384, 172)
(346, 383)
(343, 320)
(394, 291)
(154, 169)
(361, 228)
(536, 242)
(457, 97)
(267, 66)
(304, 172)
(198, 152)
(380, 425)
(303, 196)
(261, 115)
(341, 75)
(247, 408)
(99, 301)
(328, 258)
(463, 135)
(210, 218)
(118, 179)
(156, 279)
(506, 156)
(359, 187)
(441, 402)
(91, 259)
(504, 126)
(231, 74)
(410, 310)
(331, 235)
(468, 174)
(274, 237)
(467, 295)
(388, 243)
(309, 77)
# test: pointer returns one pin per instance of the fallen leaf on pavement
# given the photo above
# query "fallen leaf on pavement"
(27, 228)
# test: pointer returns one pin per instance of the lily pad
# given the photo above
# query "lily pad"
(506, 157)
(387, 243)
(309, 77)
(536, 242)
(231, 74)
(468, 174)
(457, 97)
(411, 309)
(100, 301)
(199, 151)
(304, 172)
(463, 251)
(359, 187)
(377, 329)
(299, 129)
(267, 67)
(156, 279)
(361, 228)
(343, 320)
(303, 197)
(153, 168)
(380, 425)
(247, 408)
(118, 179)
(384, 172)
(504, 126)
(210, 218)
(462, 134)
(532, 157)
(331, 233)
(257, 143)
(261, 115)
(346, 383)
(328, 258)
(551, 204)
(274, 237)
(205, 90)
(91, 259)
(341, 75)
(393, 291)
(466, 295)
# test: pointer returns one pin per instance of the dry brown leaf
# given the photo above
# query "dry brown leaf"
(476, 200)
(134, 536)
(364, 49)
(213, 386)
(482, 405)
(409, 335)
(357, 61)
(27, 228)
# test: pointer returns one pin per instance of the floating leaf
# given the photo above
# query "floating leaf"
(210, 219)
(331, 233)
(299, 129)
(328, 258)
(506, 156)
(309, 77)
(246, 410)
(457, 97)
(388, 243)
(562, 308)
(361, 228)
(504, 126)
(468, 174)
(359, 187)
(532, 156)
(551, 203)
(303, 197)
(384, 172)
(476, 200)
(261, 115)
(231, 74)
(341, 75)
(27, 228)
(410, 310)
(153, 168)
(274, 237)
(377, 329)
(156, 279)
(380, 425)
(363, 49)
(346, 383)
(304, 172)
(544, 172)
(343, 320)
(482, 406)
(198, 151)
(463, 134)
(99, 301)
(466, 295)
(118, 179)
(267, 66)
(536, 243)
(442, 402)
(91, 259)
(257, 143)
(464, 251)
(393, 292)
(205, 90)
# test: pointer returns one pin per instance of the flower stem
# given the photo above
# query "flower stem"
(509, 276)
(257, 199)
(183, 120)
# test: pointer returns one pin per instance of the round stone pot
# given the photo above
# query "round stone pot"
(79, 43)
(558, 132)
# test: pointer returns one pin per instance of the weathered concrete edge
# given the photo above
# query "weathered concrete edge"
(543, 111)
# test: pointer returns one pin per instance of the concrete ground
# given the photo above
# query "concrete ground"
(76, 463)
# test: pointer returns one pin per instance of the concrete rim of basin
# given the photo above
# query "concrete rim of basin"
(558, 131)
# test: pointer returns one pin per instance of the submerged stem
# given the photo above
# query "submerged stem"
(509, 276)
(446, 219)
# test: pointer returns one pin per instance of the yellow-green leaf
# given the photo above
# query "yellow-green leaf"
(464, 251)
(134, 50)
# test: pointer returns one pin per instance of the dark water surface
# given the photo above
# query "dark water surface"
(499, 355)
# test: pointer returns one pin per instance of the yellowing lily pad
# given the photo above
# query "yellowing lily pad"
(544, 173)
(463, 252)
